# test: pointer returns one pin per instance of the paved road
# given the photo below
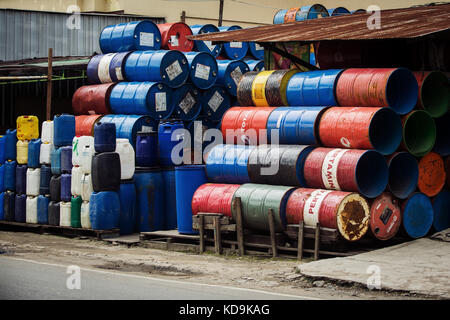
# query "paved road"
(26, 279)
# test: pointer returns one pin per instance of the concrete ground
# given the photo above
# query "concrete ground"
(421, 266)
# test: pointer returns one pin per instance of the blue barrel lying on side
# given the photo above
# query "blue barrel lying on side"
(311, 12)
(339, 11)
(255, 50)
(127, 198)
(167, 66)
(234, 50)
(106, 68)
(143, 98)
(417, 215)
(104, 210)
(203, 69)
(135, 35)
(230, 72)
(206, 46)
(441, 209)
(42, 209)
(187, 102)
(34, 150)
(169, 139)
(63, 130)
(215, 102)
(146, 149)
(255, 65)
(278, 18)
(21, 179)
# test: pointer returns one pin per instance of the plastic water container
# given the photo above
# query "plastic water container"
(104, 137)
(64, 214)
(55, 161)
(65, 187)
(81, 144)
(45, 177)
(9, 202)
(42, 209)
(104, 210)
(21, 179)
(77, 175)
(45, 154)
(170, 204)
(86, 187)
(127, 198)
(20, 208)
(47, 132)
(84, 215)
(127, 158)
(86, 152)
(75, 212)
(146, 149)
(106, 172)
(34, 150)
(2, 208)
(11, 144)
(10, 175)
(27, 127)
(2, 149)
(33, 181)
(2, 178)
(63, 130)
(167, 140)
(22, 151)
(31, 209)
(53, 213)
(66, 159)
(55, 188)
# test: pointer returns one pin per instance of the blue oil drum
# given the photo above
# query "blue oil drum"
(55, 188)
(2, 208)
(9, 203)
(63, 130)
(127, 126)
(11, 144)
(117, 66)
(66, 159)
(169, 137)
(203, 69)
(106, 172)
(339, 11)
(112, 69)
(227, 163)
(187, 102)
(42, 209)
(10, 175)
(311, 12)
(55, 161)
(44, 184)
(255, 50)
(279, 16)
(104, 137)
(135, 35)
(127, 198)
(215, 102)
(92, 69)
(206, 46)
(170, 205)
(66, 194)
(53, 213)
(150, 199)
(234, 50)
(21, 179)
(146, 98)
(2, 178)
(230, 72)
(167, 66)
(20, 208)
(187, 180)
(313, 88)
(441, 209)
(146, 149)
(255, 65)
(295, 125)
(104, 210)
(34, 150)
(417, 215)
(2, 149)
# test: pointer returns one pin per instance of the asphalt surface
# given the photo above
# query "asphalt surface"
(26, 279)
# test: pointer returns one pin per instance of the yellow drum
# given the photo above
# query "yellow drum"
(259, 89)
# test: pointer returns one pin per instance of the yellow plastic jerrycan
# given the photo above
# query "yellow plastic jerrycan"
(22, 151)
(27, 127)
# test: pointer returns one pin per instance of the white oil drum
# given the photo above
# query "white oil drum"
(33, 181)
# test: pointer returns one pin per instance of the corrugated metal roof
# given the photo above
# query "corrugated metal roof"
(395, 24)
(29, 34)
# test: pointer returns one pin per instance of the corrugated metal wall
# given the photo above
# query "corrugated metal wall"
(29, 34)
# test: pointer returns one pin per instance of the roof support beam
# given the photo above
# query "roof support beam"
(271, 46)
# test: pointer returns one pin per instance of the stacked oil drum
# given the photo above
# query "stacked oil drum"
(310, 12)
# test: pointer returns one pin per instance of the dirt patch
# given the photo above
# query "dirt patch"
(153, 269)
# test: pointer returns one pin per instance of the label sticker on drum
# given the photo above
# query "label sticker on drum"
(236, 75)
(202, 71)
(160, 102)
(235, 44)
(258, 47)
(187, 103)
(119, 73)
(174, 41)
(147, 129)
(215, 101)
(329, 169)
(174, 70)
(210, 46)
(312, 207)
(146, 39)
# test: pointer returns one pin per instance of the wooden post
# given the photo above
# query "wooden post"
(300, 241)
(220, 13)
(183, 16)
(317, 242)
(272, 233)
(217, 235)
(239, 226)
(202, 233)
(49, 83)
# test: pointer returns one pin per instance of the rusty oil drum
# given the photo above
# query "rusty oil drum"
(214, 198)
(385, 217)
(276, 87)
(432, 174)
(403, 174)
(92, 99)
(345, 211)
(84, 124)
(244, 89)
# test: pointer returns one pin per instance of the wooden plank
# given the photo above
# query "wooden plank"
(300, 241)
(202, 234)
(210, 226)
(317, 242)
(239, 226)
(217, 236)
(272, 233)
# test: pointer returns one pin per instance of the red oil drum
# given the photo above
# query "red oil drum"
(346, 211)
(174, 36)
(434, 95)
(385, 217)
(242, 125)
(214, 198)
(92, 99)
(84, 125)
(363, 171)
(447, 170)
(432, 174)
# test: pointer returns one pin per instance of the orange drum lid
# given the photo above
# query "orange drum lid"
(432, 174)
